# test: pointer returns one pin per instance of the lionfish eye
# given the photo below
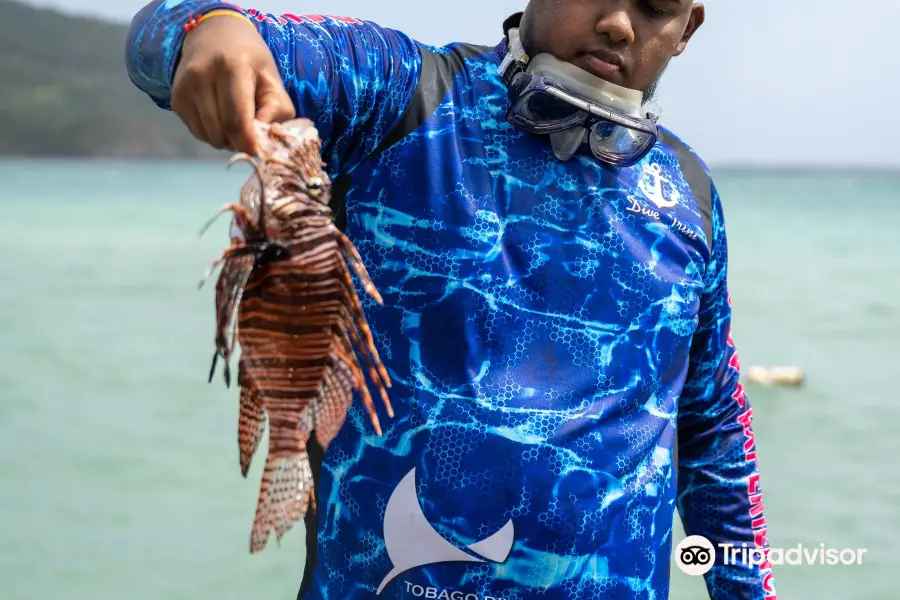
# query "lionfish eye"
(315, 183)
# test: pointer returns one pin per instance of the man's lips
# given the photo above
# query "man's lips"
(603, 62)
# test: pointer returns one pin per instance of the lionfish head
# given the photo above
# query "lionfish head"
(296, 145)
(291, 170)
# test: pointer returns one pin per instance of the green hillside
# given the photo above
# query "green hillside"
(65, 92)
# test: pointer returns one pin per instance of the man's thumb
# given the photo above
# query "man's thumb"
(273, 102)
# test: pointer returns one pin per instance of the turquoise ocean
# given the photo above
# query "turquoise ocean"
(119, 476)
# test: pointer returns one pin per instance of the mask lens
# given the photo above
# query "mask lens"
(604, 130)
(539, 112)
(546, 108)
(619, 145)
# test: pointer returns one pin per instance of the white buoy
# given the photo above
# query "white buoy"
(786, 376)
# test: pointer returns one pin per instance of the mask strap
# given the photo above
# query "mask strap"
(516, 59)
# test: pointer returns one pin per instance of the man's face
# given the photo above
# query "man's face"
(626, 42)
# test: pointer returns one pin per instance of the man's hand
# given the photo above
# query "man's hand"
(226, 78)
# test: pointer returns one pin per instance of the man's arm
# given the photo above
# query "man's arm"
(354, 79)
(719, 494)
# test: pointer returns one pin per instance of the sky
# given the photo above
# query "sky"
(767, 82)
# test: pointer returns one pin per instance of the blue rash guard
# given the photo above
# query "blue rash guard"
(547, 325)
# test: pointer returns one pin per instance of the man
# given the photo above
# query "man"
(553, 267)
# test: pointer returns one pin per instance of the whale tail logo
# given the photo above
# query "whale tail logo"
(412, 542)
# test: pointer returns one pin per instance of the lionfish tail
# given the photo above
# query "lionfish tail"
(284, 497)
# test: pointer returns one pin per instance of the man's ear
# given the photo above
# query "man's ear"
(698, 15)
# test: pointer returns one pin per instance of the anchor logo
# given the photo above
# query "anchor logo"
(654, 193)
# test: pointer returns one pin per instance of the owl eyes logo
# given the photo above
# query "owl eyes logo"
(695, 555)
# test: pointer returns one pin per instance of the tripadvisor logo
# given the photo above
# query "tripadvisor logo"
(797, 555)
(695, 555)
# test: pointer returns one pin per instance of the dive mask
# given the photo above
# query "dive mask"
(552, 97)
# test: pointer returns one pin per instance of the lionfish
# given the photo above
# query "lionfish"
(285, 294)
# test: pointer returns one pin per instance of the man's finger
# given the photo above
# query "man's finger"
(272, 101)
(236, 99)
(188, 114)
(208, 109)
(185, 102)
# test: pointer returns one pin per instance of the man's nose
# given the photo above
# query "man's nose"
(617, 25)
